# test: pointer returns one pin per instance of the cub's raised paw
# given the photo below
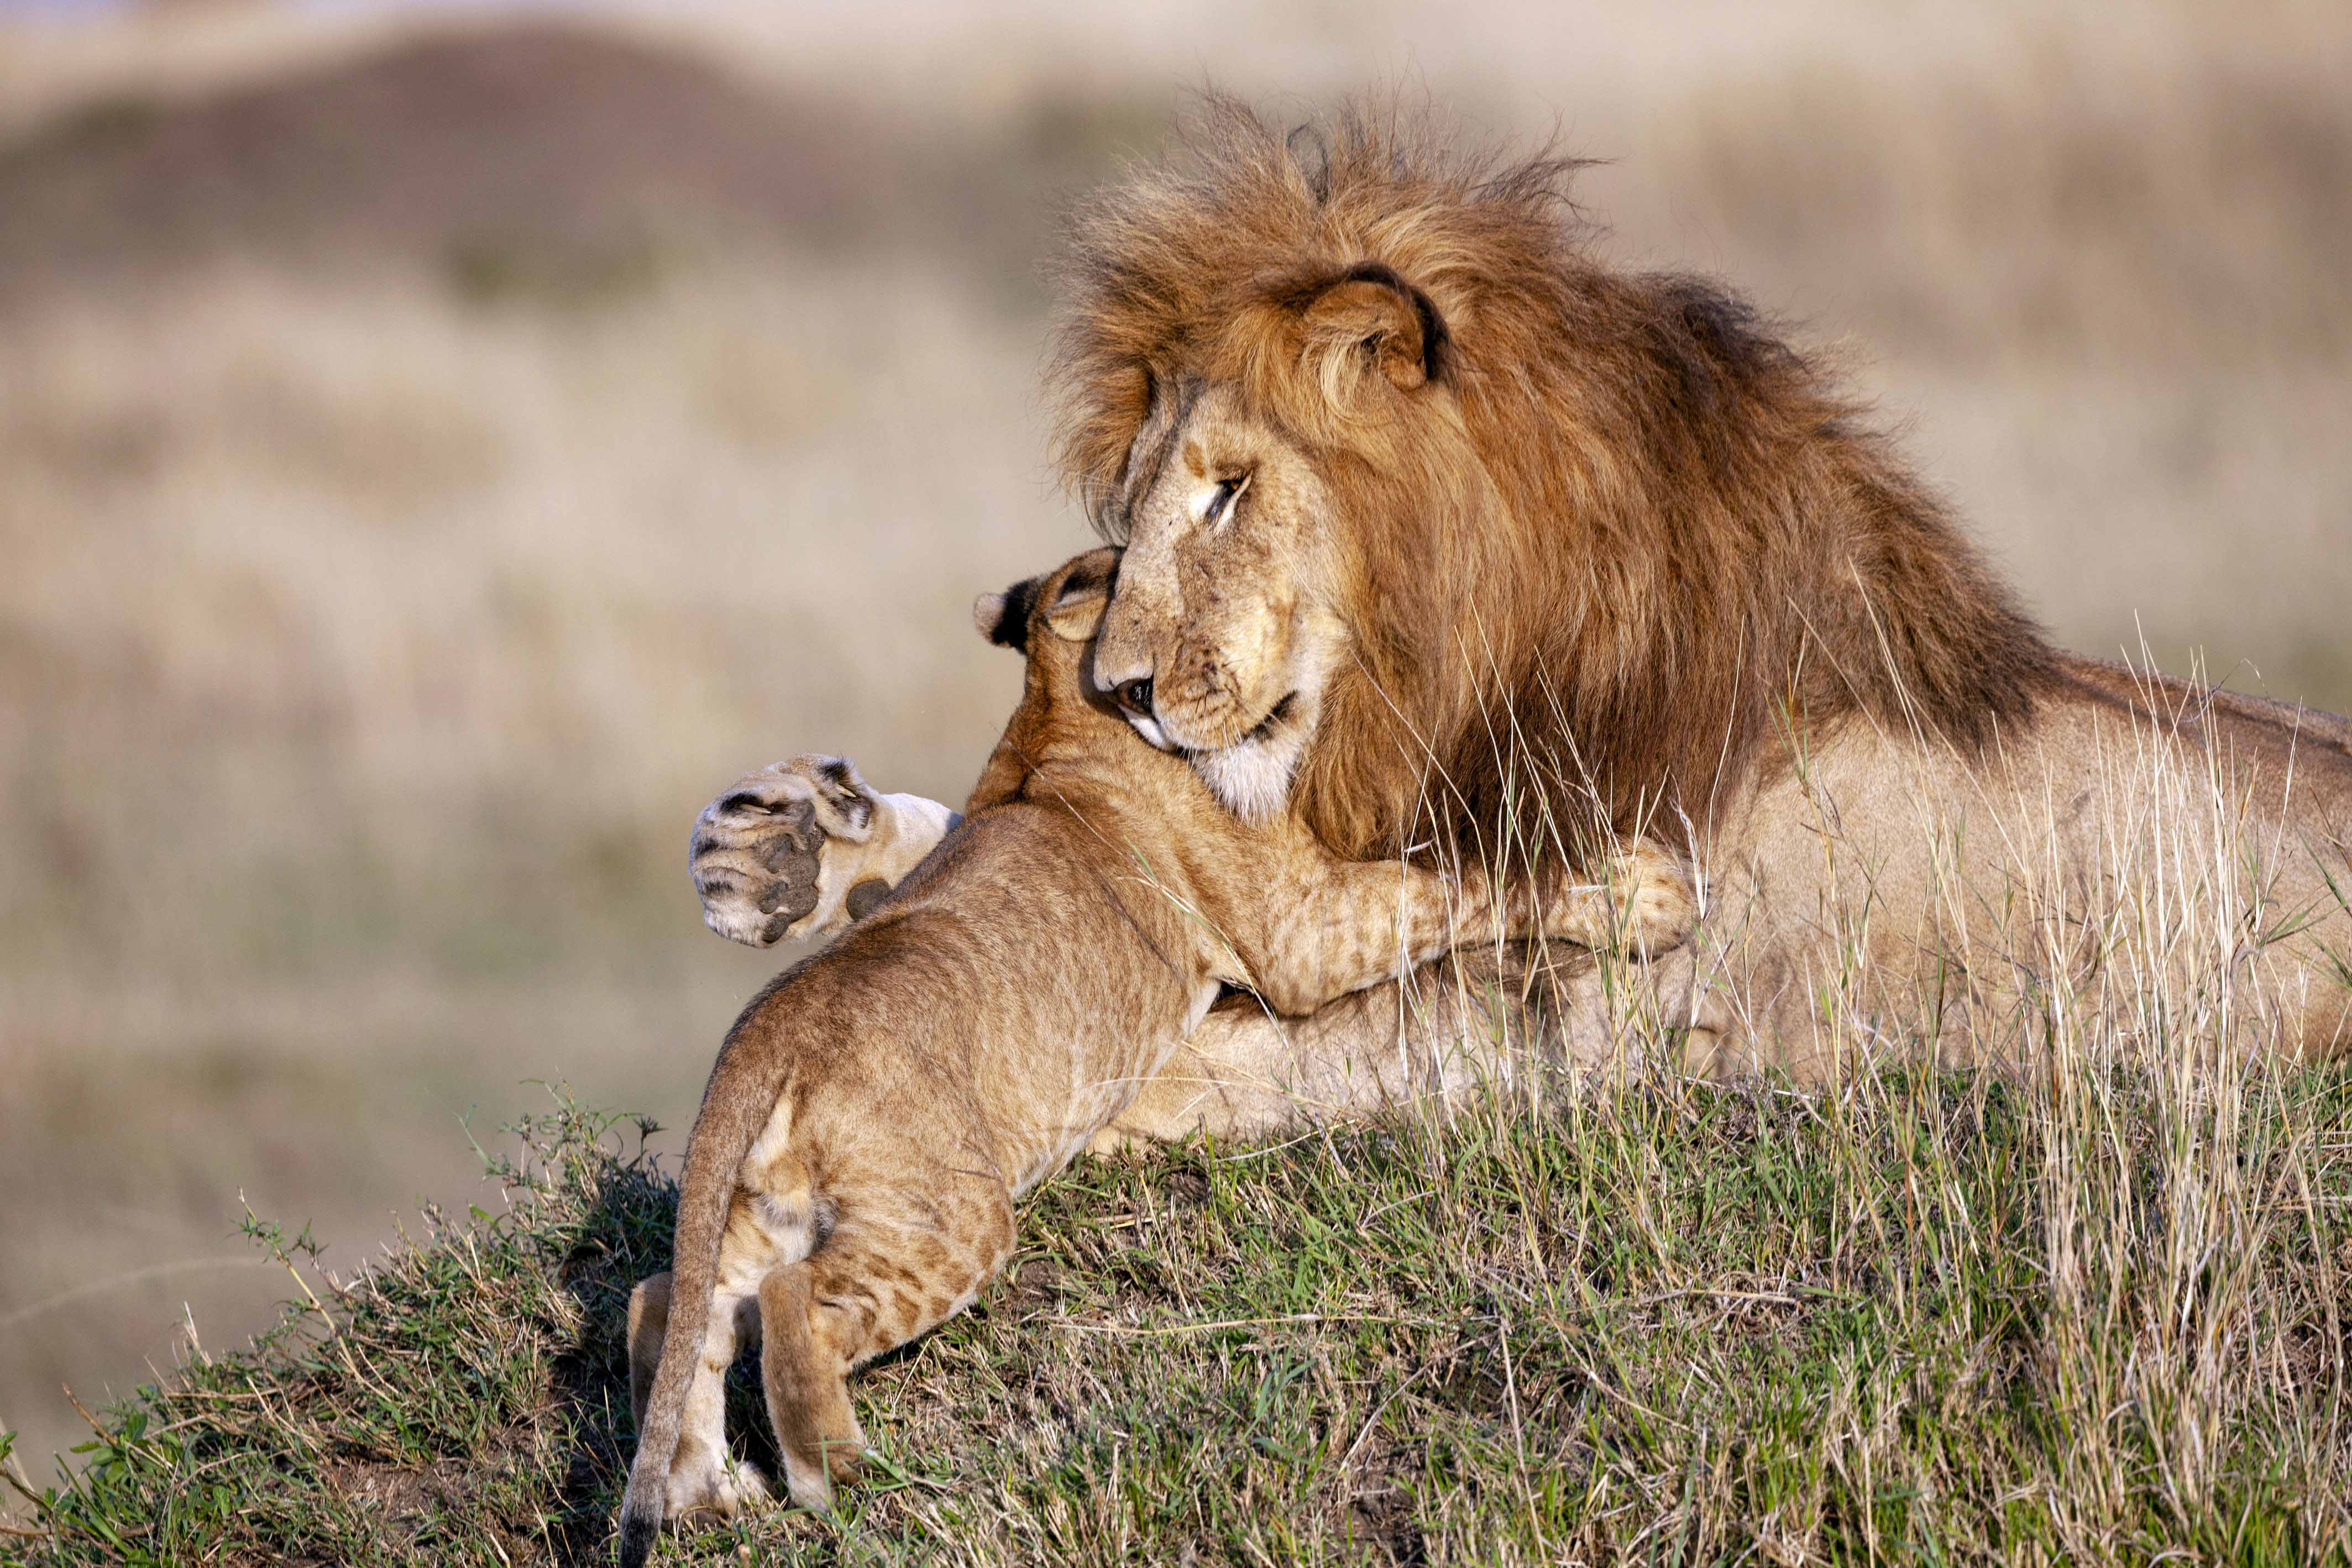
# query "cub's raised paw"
(776, 854)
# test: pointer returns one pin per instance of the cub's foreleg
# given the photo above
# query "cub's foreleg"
(1645, 903)
(880, 1279)
(1337, 926)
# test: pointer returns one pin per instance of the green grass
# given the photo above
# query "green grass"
(1920, 1319)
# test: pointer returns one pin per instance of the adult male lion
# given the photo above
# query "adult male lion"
(1439, 527)
(1435, 522)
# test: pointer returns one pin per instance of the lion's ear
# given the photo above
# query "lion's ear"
(1004, 617)
(1371, 314)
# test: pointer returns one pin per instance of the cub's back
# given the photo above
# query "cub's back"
(1024, 957)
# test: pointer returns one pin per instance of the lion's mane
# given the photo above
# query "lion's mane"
(1629, 532)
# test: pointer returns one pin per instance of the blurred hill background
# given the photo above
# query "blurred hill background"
(440, 448)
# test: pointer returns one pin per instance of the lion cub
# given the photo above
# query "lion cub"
(877, 1110)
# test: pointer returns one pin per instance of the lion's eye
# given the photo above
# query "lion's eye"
(1222, 501)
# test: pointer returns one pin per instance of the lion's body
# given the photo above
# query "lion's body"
(1884, 898)
(2123, 844)
(875, 1112)
(1497, 544)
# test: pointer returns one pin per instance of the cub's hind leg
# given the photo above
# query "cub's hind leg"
(703, 1477)
(648, 1321)
(808, 1393)
(882, 1278)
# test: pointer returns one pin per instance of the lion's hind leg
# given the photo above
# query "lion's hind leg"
(703, 1477)
(648, 1321)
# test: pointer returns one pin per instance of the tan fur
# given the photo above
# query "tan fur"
(1512, 535)
(877, 1111)
(1456, 1027)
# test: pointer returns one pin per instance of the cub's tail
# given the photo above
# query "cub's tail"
(736, 1104)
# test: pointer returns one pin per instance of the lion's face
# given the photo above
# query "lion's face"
(1224, 625)
(1426, 503)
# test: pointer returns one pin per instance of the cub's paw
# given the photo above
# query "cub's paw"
(1656, 898)
(777, 855)
(702, 1492)
(810, 1484)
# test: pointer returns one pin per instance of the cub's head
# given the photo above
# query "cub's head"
(1052, 620)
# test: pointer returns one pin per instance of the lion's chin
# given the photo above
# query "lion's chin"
(1251, 778)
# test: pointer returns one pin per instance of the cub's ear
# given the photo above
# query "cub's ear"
(1004, 617)
(1078, 604)
(1371, 315)
(1077, 614)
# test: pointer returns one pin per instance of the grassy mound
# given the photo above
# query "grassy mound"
(2095, 1318)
